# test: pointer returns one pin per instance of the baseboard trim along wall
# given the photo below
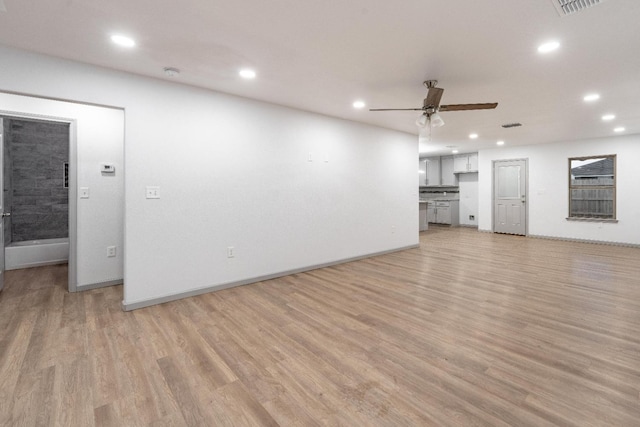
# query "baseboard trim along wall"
(80, 288)
(128, 306)
(570, 239)
(595, 242)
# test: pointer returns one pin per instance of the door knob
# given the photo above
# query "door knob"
(6, 214)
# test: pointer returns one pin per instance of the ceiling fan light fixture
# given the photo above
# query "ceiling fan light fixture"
(422, 121)
(436, 120)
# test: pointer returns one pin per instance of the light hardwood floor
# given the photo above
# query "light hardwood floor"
(470, 329)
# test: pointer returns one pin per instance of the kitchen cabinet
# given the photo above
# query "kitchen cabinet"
(422, 216)
(437, 171)
(444, 212)
(433, 170)
(463, 163)
(431, 212)
(447, 176)
(422, 172)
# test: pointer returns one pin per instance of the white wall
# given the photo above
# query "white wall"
(548, 188)
(99, 138)
(468, 186)
(235, 172)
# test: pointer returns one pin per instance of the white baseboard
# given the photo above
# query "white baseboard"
(127, 306)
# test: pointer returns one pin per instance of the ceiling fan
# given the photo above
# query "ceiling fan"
(431, 107)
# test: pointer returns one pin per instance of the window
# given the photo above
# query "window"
(592, 188)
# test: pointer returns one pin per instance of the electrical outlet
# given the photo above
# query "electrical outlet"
(84, 192)
(393, 229)
(231, 252)
(472, 217)
(111, 251)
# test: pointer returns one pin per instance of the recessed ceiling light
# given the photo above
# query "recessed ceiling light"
(359, 104)
(619, 129)
(123, 41)
(473, 135)
(455, 151)
(608, 117)
(548, 47)
(247, 74)
(500, 143)
(591, 97)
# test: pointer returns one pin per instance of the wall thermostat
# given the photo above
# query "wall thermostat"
(107, 168)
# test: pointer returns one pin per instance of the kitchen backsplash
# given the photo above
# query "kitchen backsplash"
(452, 193)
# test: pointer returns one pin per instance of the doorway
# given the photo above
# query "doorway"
(35, 200)
(510, 196)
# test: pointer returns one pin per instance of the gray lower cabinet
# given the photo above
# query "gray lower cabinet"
(444, 212)
(431, 212)
(423, 224)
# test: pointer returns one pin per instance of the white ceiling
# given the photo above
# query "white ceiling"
(321, 56)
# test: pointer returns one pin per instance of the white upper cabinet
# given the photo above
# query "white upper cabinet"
(473, 162)
(438, 171)
(433, 170)
(463, 163)
(422, 172)
(446, 171)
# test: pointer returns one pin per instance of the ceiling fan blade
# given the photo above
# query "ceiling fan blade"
(395, 109)
(462, 107)
(433, 97)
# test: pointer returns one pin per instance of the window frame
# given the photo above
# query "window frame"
(614, 186)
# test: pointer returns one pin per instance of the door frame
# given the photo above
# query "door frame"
(526, 190)
(73, 187)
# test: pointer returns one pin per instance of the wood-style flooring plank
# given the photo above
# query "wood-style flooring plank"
(469, 329)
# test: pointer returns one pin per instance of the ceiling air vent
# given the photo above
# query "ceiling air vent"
(511, 125)
(568, 7)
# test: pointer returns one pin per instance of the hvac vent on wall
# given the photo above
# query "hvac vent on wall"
(567, 7)
(511, 125)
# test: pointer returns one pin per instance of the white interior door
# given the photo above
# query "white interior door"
(2, 215)
(510, 197)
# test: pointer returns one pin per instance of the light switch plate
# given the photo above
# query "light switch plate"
(153, 192)
(107, 168)
(84, 192)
